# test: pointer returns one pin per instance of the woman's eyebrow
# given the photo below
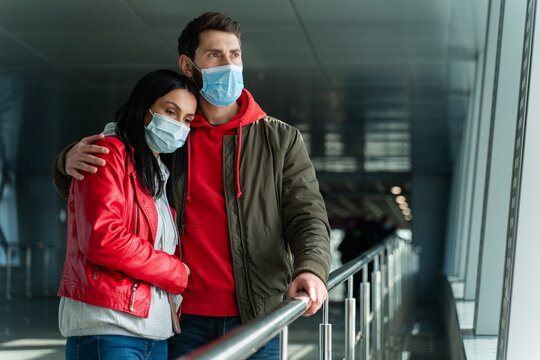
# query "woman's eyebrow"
(177, 107)
(173, 103)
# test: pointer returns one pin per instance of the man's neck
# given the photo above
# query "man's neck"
(218, 115)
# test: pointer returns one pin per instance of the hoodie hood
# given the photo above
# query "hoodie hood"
(248, 113)
(110, 129)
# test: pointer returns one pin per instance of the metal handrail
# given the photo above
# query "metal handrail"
(247, 339)
(343, 273)
(8, 246)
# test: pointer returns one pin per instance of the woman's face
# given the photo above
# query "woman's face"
(179, 105)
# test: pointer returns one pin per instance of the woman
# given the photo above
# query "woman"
(123, 255)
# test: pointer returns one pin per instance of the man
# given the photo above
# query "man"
(249, 210)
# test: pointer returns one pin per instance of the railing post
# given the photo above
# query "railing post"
(325, 335)
(377, 311)
(397, 287)
(28, 270)
(350, 321)
(8, 272)
(367, 321)
(283, 343)
(384, 302)
(391, 299)
(399, 292)
(46, 265)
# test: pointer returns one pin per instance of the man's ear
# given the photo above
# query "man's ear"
(185, 65)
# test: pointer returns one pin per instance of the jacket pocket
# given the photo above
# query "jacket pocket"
(96, 273)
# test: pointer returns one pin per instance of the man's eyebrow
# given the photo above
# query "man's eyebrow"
(219, 50)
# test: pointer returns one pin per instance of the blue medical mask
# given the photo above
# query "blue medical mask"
(222, 85)
(165, 135)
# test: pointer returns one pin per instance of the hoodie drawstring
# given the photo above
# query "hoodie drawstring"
(188, 197)
(238, 190)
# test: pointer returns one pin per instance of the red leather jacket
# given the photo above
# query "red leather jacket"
(112, 224)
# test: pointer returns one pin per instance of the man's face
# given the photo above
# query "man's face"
(217, 48)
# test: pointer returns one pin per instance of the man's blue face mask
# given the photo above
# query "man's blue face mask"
(222, 85)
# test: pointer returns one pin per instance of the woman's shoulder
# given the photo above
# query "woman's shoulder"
(117, 148)
(112, 143)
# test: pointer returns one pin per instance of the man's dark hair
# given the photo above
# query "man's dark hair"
(189, 39)
(130, 122)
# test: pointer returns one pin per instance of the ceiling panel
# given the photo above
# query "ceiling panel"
(14, 55)
(377, 59)
(58, 16)
(86, 49)
(176, 13)
(389, 12)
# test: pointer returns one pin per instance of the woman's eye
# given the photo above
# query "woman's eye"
(170, 112)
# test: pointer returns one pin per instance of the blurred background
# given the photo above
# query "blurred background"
(387, 95)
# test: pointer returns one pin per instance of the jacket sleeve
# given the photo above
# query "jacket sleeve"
(61, 180)
(305, 221)
(103, 235)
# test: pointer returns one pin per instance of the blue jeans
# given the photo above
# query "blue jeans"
(114, 347)
(199, 330)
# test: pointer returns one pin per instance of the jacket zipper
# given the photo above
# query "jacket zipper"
(135, 204)
(133, 291)
(182, 211)
(246, 270)
(136, 218)
(135, 284)
(244, 262)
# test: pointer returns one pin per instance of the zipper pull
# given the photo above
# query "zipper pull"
(134, 290)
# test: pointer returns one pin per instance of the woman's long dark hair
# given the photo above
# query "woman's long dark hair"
(130, 123)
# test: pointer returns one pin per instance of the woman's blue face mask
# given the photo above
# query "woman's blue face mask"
(165, 135)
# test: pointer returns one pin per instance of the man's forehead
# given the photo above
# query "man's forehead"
(213, 39)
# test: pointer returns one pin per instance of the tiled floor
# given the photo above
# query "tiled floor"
(465, 312)
(476, 347)
(480, 347)
(458, 289)
(29, 331)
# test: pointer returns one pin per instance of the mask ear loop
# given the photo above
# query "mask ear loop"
(192, 63)
(199, 70)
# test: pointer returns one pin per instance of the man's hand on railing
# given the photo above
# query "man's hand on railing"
(313, 286)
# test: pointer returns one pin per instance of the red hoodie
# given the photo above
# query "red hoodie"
(205, 242)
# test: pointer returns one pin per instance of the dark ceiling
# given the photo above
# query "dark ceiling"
(379, 89)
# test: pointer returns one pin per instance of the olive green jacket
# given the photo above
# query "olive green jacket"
(278, 228)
